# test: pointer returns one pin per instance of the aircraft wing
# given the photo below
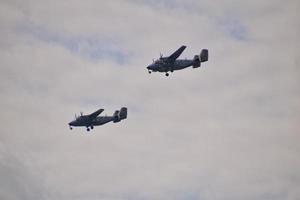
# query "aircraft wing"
(176, 54)
(95, 114)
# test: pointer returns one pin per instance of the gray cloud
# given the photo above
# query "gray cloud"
(17, 181)
(226, 131)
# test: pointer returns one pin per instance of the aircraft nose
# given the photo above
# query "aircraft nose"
(150, 67)
(71, 123)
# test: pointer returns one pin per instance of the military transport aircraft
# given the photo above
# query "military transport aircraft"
(91, 120)
(166, 64)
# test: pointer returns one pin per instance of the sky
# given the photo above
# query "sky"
(225, 131)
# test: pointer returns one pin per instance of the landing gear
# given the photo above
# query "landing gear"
(70, 127)
(167, 74)
(149, 72)
(87, 129)
(92, 127)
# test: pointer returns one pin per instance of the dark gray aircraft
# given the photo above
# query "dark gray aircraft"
(170, 64)
(91, 120)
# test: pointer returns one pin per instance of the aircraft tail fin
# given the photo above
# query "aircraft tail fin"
(197, 62)
(198, 59)
(204, 55)
(120, 115)
(116, 116)
(123, 113)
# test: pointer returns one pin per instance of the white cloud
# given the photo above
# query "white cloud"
(228, 130)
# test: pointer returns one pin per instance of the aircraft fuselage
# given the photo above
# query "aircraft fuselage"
(166, 67)
(171, 63)
(95, 120)
(85, 121)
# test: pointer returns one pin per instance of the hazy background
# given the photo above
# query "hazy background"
(229, 130)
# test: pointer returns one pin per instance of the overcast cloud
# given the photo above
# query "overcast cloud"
(228, 130)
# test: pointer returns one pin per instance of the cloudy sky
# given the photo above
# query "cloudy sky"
(229, 130)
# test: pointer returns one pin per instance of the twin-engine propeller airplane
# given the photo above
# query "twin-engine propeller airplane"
(171, 63)
(163, 64)
(91, 120)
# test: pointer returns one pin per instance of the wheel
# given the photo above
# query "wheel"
(71, 128)
(88, 129)
(92, 127)
(167, 74)
(149, 72)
